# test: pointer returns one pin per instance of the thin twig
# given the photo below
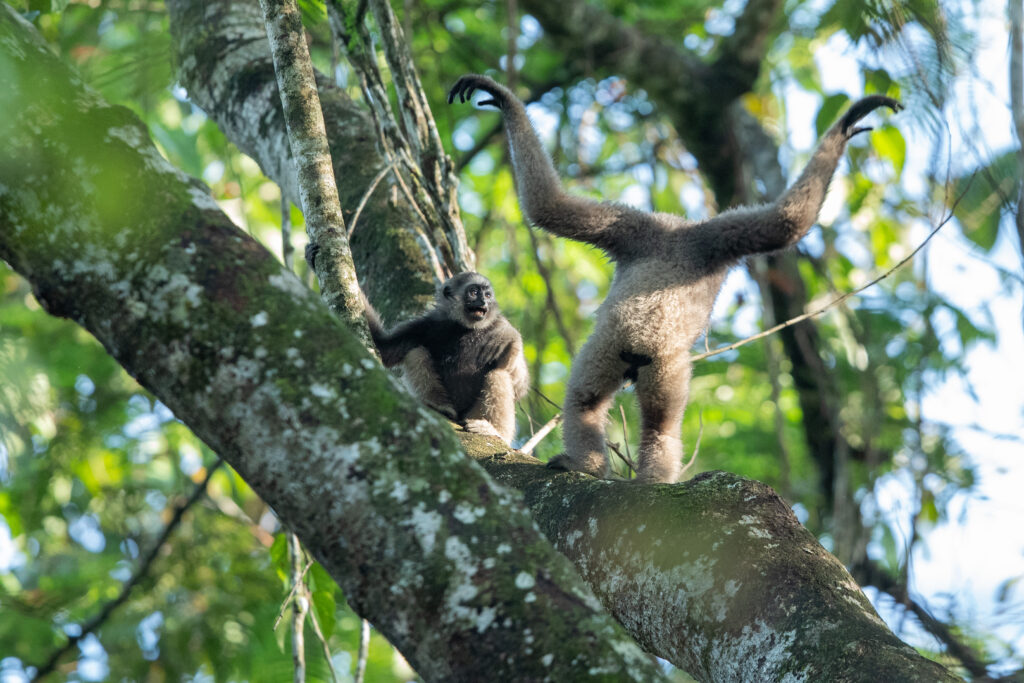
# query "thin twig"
(614, 448)
(696, 446)
(364, 651)
(291, 594)
(300, 607)
(323, 644)
(366, 197)
(139, 574)
(540, 434)
(625, 431)
(541, 394)
(844, 297)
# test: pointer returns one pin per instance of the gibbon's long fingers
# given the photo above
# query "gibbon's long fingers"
(489, 102)
(865, 106)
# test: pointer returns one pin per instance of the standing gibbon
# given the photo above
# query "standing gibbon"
(668, 271)
(462, 358)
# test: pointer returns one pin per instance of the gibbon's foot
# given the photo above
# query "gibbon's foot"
(482, 427)
(466, 85)
(563, 463)
(862, 108)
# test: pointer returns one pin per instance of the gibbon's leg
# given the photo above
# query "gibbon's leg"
(421, 378)
(597, 373)
(662, 389)
(494, 412)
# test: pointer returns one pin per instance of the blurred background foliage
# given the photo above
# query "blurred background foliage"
(91, 466)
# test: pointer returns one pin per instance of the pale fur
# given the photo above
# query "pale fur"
(668, 272)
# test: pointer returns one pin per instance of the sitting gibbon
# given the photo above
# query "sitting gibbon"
(462, 358)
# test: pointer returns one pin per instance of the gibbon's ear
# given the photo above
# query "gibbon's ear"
(447, 291)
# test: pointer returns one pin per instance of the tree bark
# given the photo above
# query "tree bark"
(446, 563)
(716, 575)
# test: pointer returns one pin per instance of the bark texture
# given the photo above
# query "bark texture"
(716, 575)
(447, 564)
(308, 141)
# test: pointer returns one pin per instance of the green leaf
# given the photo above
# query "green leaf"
(829, 112)
(890, 144)
(982, 196)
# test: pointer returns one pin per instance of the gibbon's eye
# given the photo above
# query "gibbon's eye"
(488, 294)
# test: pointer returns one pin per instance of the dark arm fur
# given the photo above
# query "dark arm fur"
(395, 344)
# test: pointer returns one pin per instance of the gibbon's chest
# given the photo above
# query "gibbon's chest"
(461, 358)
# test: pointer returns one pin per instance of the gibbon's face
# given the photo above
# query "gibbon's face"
(469, 299)
(477, 301)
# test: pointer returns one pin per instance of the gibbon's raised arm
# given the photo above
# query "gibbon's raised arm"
(610, 226)
(760, 229)
(393, 345)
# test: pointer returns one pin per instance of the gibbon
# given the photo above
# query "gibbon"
(462, 358)
(668, 271)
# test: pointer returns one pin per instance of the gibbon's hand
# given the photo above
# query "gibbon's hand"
(467, 84)
(311, 251)
(862, 108)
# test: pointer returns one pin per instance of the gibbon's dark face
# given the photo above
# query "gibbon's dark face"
(471, 297)
(477, 301)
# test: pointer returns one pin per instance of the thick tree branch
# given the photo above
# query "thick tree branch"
(447, 564)
(715, 575)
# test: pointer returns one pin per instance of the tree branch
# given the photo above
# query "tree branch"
(307, 133)
(395, 252)
(716, 574)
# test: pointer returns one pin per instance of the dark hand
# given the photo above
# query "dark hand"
(311, 251)
(466, 85)
(862, 108)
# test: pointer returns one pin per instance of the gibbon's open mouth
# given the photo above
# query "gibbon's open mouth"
(477, 313)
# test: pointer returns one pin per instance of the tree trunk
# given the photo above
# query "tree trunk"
(225, 65)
